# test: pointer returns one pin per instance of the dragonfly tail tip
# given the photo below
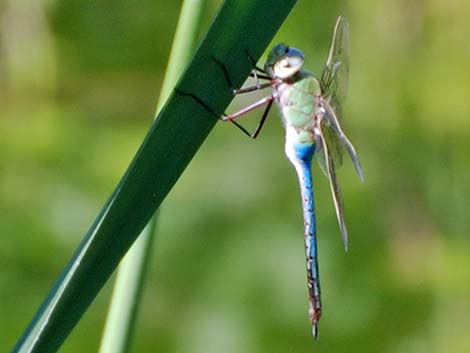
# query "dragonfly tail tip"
(315, 331)
(344, 236)
(360, 173)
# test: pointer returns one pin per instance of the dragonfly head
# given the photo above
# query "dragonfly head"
(283, 61)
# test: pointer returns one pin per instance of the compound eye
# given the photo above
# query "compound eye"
(289, 64)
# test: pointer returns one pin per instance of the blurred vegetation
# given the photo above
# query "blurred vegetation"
(78, 86)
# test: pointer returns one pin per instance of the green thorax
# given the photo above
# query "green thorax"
(296, 98)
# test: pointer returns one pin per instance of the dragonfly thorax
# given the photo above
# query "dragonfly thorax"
(297, 98)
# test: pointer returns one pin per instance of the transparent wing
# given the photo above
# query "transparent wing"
(331, 120)
(334, 84)
(326, 159)
(334, 149)
(335, 139)
(335, 76)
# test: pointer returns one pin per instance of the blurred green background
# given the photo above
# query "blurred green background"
(78, 87)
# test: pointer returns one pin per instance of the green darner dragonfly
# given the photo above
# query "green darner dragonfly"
(311, 111)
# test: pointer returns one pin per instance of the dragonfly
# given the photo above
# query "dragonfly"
(311, 111)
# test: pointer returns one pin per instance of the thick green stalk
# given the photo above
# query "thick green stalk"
(241, 29)
(127, 291)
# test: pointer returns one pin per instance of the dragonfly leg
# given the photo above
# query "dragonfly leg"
(257, 73)
(254, 74)
(260, 125)
(258, 86)
(249, 108)
(262, 120)
(224, 117)
(268, 101)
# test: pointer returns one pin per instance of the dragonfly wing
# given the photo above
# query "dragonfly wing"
(335, 76)
(334, 83)
(331, 118)
(335, 150)
(329, 166)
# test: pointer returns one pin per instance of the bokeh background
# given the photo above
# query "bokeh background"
(78, 87)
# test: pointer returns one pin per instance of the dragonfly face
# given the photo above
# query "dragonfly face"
(283, 62)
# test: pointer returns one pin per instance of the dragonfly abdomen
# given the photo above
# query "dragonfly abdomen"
(300, 155)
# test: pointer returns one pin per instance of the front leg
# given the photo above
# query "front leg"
(254, 73)
(267, 101)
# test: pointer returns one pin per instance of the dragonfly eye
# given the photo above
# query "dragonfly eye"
(289, 64)
(283, 61)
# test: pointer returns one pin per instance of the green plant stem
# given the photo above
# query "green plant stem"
(241, 29)
(128, 288)
(127, 292)
(183, 46)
